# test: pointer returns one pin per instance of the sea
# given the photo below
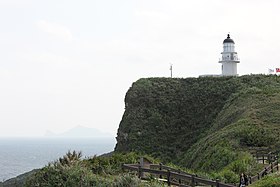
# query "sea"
(20, 155)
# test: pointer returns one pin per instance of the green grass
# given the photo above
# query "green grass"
(268, 181)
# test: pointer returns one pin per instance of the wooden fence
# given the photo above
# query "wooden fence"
(176, 177)
(173, 176)
(265, 157)
(269, 169)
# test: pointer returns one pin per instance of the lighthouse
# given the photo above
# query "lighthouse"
(229, 58)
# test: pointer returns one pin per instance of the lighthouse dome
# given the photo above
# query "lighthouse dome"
(228, 39)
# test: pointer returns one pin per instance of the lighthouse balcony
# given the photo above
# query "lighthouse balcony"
(229, 59)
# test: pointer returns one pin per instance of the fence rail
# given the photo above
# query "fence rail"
(173, 176)
(265, 157)
(271, 168)
(179, 178)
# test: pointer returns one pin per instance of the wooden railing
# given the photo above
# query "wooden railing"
(265, 157)
(177, 177)
(269, 169)
(172, 176)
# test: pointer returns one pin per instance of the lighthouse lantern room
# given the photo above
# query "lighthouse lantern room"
(229, 58)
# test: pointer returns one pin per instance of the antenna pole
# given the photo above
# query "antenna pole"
(171, 69)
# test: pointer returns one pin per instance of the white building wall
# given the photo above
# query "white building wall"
(229, 68)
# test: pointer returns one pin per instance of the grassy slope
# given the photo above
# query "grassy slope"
(250, 119)
(269, 181)
(205, 123)
(19, 180)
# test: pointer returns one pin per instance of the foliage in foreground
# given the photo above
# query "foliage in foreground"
(71, 171)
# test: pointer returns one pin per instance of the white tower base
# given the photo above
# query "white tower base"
(229, 68)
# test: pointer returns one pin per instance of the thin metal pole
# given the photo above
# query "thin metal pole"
(171, 69)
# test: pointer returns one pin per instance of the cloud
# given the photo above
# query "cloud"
(55, 29)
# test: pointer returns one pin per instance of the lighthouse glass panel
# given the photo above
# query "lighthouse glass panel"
(229, 47)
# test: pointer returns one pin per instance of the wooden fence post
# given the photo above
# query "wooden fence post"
(263, 158)
(192, 183)
(250, 180)
(258, 176)
(217, 182)
(168, 178)
(141, 162)
(160, 168)
(271, 166)
(180, 179)
(139, 172)
(196, 182)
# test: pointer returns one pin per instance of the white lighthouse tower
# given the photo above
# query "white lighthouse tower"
(229, 58)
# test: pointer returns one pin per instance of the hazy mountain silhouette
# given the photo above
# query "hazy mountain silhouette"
(80, 132)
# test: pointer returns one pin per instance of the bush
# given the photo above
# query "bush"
(126, 180)
(70, 171)
(72, 176)
(229, 176)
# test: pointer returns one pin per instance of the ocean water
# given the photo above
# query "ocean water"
(19, 155)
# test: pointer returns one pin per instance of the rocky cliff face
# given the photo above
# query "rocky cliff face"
(173, 118)
(164, 117)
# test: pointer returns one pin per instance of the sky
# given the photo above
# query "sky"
(65, 63)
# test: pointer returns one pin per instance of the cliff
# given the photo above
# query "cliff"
(201, 123)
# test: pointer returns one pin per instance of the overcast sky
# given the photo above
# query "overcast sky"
(65, 63)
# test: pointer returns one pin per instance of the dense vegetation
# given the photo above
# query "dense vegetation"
(207, 124)
(164, 117)
(72, 171)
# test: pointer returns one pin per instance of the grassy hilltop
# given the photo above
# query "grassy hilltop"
(201, 123)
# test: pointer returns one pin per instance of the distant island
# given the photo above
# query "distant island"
(79, 132)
